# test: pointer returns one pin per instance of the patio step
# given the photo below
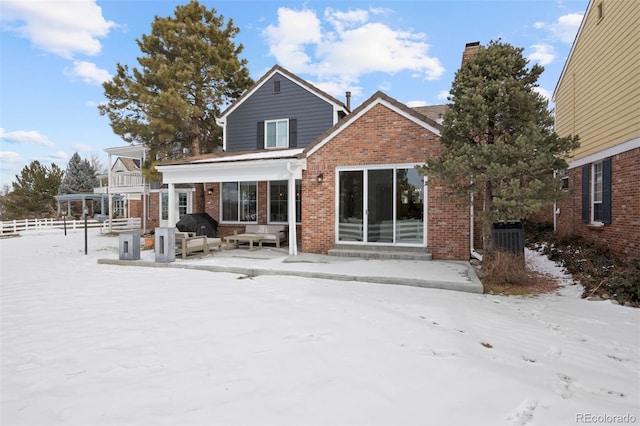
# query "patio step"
(379, 252)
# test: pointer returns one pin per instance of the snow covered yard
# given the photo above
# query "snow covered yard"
(90, 344)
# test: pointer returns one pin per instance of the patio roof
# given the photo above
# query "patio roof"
(231, 167)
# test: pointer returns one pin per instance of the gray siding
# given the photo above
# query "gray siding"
(314, 115)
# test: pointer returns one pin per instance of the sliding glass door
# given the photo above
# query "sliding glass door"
(381, 205)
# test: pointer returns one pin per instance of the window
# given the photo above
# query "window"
(564, 179)
(119, 207)
(183, 204)
(276, 134)
(279, 201)
(596, 192)
(239, 202)
(276, 86)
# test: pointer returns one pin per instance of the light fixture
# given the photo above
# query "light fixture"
(210, 190)
(320, 177)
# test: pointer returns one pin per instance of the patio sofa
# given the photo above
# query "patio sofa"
(190, 245)
(274, 234)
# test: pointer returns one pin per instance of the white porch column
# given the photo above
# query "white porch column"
(171, 208)
(109, 193)
(291, 210)
(291, 204)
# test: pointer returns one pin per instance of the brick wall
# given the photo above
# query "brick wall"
(623, 235)
(381, 136)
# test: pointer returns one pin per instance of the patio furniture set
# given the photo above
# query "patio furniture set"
(190, 245)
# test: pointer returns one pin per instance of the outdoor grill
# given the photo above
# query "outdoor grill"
(198, 223)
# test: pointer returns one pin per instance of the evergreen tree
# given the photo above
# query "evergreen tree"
(33, 192)
(80, 176)
(498, 141)
(189, 69)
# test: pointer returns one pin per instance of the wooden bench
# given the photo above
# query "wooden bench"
(189, 245)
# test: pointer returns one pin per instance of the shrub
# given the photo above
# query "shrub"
(601, 272)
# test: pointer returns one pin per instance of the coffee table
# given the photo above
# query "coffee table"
(245, 238)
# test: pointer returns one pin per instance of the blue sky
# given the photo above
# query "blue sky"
(54, 55)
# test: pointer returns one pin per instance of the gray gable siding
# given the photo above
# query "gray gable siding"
(314, 115)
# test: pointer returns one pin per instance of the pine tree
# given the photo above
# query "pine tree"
(189, 69)
(80, 176)
(33, 192)
(498, 141)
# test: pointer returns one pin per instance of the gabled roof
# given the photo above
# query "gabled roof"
(378, 98)
(131, 164)
(294, 78)
(434, 112)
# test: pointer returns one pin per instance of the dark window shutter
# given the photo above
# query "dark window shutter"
(606, 191)
(293, 133)
(586, 191)
(260, 134)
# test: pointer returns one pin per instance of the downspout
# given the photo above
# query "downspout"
(291, 205)
(145, 194)
(474, 253)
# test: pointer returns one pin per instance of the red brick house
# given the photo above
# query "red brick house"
(296, 156)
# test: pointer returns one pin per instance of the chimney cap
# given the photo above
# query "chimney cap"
(472, 44)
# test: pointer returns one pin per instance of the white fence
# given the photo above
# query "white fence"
(14, 226)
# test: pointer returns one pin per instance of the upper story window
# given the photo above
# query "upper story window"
(281, 133)
(276, 86)
(276, 134)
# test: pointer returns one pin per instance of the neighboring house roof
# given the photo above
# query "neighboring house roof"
(377, 98)
(434, 112)
(294, 78)
(130, 164)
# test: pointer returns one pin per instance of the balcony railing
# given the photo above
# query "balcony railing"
(123, 182)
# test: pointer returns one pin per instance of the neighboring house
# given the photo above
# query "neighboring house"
(296, 156)
(598, 98)
(132, 197)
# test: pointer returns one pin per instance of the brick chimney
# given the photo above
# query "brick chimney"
(470, 51)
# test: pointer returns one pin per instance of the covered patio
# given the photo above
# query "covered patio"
(239, 167)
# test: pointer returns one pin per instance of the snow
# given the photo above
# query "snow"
(89, 344)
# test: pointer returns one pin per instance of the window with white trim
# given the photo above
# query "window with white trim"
(596, 193)
(239, 202)
(276, 134)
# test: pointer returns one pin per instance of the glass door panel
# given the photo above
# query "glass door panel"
(380, 206)
(409, 226)
(351, 207)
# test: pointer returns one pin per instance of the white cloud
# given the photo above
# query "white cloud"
(443, 95)
(413, 104)
(544, 92)
(65, 28)
(60, 155)
(564, 28)
(348, 46)
(10, 157)
(83, 147)
(25, 137)
(288, 39)
(542, 53)
(88, 72)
